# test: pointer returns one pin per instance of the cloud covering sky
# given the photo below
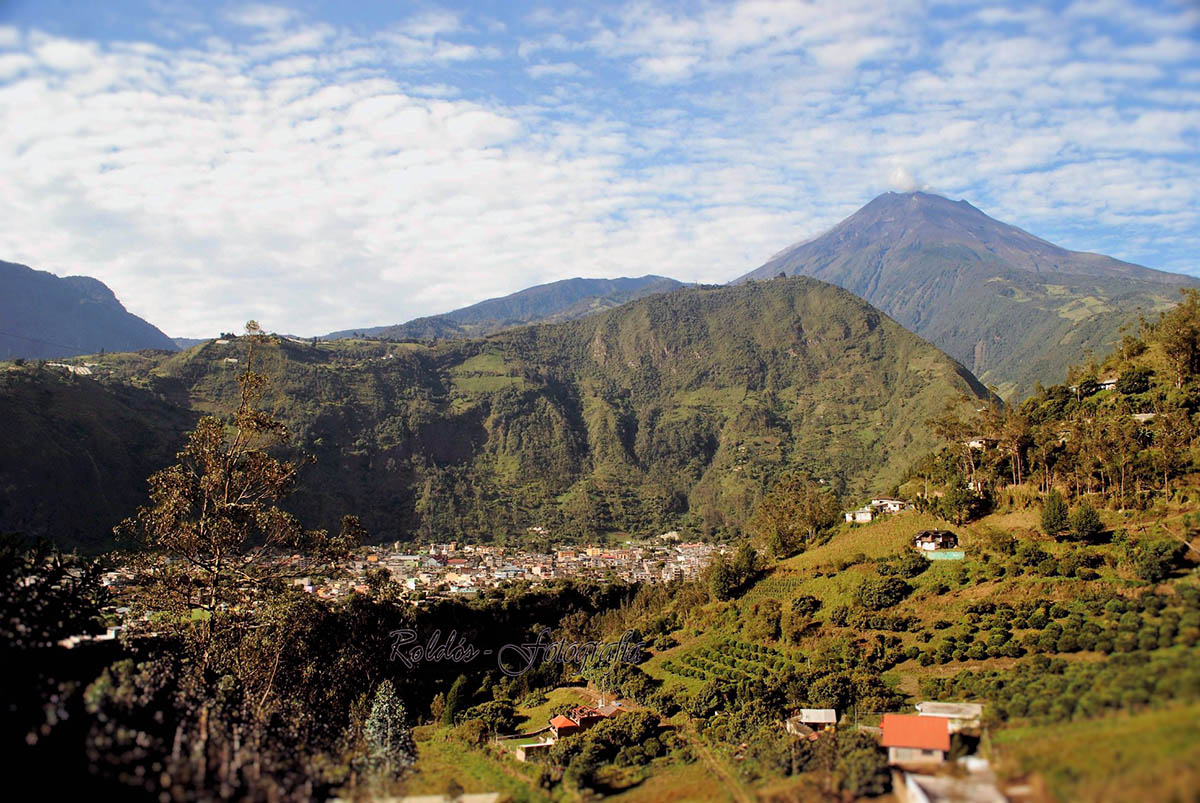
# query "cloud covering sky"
(330, 165)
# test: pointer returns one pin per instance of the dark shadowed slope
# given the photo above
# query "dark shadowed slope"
(1012, 307)
(43, 316)
(76, 452)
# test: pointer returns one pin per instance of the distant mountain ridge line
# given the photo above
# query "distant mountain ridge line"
(943, 269)
(1014, 308)
(565, 299)
(44, 316)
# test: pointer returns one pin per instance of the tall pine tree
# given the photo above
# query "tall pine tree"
(390, 745)
(1054, 513)
(457, 701)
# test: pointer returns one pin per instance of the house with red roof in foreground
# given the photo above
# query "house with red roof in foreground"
(582, 717)
(913, 739)
(563, 725)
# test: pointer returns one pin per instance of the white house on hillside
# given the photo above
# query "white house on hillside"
(886, 504)
(863, 515)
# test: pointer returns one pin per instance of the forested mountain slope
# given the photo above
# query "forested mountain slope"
(674, 410)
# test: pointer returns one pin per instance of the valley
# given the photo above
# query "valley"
(749, 401)
(747, 542)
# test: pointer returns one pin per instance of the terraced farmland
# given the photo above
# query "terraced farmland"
(728, 659)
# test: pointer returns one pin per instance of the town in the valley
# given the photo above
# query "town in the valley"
(454, 570)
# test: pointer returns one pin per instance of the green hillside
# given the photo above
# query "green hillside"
(76, 453)
(672, 411)
(1062, 659)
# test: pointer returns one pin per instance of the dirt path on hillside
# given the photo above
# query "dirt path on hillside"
(732, 784)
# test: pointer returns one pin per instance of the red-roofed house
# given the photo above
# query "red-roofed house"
(911, 739)
(563, 725)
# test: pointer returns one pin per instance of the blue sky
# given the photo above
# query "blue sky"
(326, 165)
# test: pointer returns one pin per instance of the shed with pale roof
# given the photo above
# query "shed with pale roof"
(818, 716)
(958, 715)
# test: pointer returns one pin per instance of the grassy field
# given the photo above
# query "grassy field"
(1151, 755)
(484, 373)
(677, 784)
(524, 742)
(875, 540)
(536, 717)
(441, 758)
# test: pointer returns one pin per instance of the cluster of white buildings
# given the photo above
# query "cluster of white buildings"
(78, 370)
(876, 508)
(452, 568)
(444, 570)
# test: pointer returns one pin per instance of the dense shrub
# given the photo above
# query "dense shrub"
(1054, 513)
(882, 593)
(1155, 561)
(1085, 523)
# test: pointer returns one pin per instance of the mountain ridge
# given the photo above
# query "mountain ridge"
(677, 409)
(1014, 308)
(49, 316)
(552, 302)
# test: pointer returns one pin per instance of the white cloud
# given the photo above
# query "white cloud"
(317, 179)
(560, 69)
(405, 48)
(12, 64)
(901, 180)
(261, 16)
(63, 54)
(433, 23)
(667, 68)
(1167, 49)
(745, 36)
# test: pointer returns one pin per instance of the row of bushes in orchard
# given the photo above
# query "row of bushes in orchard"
(1112, 625)
(732, 652)
(1037, 612)
(859, 619)
(1054, 689)
(702, 667)
(728, 660)
(906, 564)
(746, 649)
(1106, 623)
